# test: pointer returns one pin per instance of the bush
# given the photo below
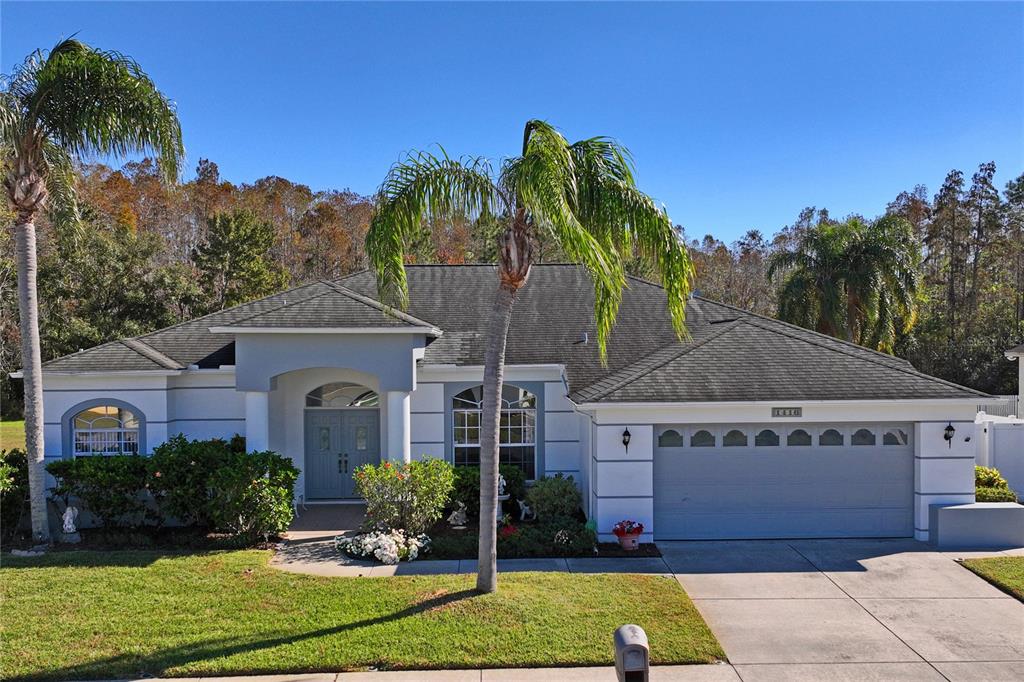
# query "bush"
(410, 497)
(252, 495)
(564, 538)
(181, 473)
(554, 498)
(387, 547)
(467, 487)
(989, 477)
(990, 494)
(112, 488)
(13, 490)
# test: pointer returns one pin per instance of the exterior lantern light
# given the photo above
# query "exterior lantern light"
(625, 439)
(949, 433)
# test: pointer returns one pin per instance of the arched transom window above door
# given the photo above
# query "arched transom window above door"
(342, 394)
(517, 429)
(105, 430)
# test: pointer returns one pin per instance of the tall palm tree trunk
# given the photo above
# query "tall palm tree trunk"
(31, 359)
(494, 378)
(514, 257)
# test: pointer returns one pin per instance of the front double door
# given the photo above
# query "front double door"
(337, 443)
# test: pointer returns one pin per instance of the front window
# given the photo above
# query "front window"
(340, 394)
(517, 428)
(105, 430)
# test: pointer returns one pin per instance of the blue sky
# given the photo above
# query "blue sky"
(738, 114)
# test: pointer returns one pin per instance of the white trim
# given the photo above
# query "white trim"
(433, 331)
(742, 403)
(223, 369)
(480, 367)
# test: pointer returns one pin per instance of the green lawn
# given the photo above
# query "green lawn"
(76, 615)
(12, 435)
(1005, 572)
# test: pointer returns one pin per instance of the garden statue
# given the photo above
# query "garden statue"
(70, 532)
(502, 496)
(501, 485)
(525, 511)
(70, 514)
(457, 519)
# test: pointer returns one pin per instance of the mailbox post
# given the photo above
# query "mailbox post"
(632, 654)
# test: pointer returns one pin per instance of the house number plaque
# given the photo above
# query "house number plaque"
(787, 411)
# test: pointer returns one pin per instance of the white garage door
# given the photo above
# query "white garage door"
(774, 481)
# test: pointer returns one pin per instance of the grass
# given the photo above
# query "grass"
(12, 435)
(77, 615)
(1005, 572)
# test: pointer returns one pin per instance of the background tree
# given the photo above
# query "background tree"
(234, 262)
(73, 101)
(582, 195)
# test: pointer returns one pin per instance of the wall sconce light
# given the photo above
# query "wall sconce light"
(625, 439)
(949, 433)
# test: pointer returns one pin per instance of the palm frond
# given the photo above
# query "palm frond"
(421, 187)
(94, 102)
(60, 177)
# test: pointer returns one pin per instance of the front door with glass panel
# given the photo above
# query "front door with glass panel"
(337, 442)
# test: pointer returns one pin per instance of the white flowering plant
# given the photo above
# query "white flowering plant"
(388, 547)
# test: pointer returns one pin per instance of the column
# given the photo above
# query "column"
(943, 470)
(399, 431)
(257, 421)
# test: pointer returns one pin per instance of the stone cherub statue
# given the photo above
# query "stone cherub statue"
(457, 519)
(70, 516)
(501, 485)
(525, 511)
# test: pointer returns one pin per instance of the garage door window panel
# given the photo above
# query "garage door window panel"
(831, 437)
(895, 437)
(863, 437)
(734, 438)
(798, 438)
(670, 439)
(702, 438)
(766, 438)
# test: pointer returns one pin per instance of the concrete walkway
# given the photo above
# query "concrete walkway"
(788, 610)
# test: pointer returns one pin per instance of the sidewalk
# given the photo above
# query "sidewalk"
(669, 673)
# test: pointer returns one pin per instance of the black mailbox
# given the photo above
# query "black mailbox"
(632, 654)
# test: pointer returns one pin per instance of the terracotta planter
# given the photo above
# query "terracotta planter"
(630, 542)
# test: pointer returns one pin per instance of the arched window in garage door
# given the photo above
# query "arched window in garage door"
(670, 438)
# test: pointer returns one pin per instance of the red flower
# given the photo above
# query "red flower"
(508, 531)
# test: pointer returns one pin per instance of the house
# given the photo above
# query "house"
(751, 428)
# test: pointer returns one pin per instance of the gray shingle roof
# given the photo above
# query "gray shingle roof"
(334, 307)
(731, 354)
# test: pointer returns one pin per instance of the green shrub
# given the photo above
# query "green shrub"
(180, 481)
(13, 490)
(990, 494)
(112, 488)
(408, 497)
(467, 488)
(252, 495)
(989, 477)
(554, 498)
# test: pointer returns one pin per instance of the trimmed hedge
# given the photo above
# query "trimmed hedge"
(990, 486)
(212, 484)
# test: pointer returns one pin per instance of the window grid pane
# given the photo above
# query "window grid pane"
(516, 436)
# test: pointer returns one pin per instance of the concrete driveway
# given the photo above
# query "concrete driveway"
(884, 610)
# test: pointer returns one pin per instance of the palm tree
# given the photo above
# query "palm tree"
(582, 195)
(72, 101)
(853, 280)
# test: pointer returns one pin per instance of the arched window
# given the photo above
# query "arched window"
(798, 438)
(670, 439)
(863, 437)
(830, 437)
(766, 438)
(517, 429)
(105, 430)
(734, 438)
(702, 439)
(895, 437)
(341, 394)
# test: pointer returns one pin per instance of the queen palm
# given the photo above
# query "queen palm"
(583, 195)
(72, 101)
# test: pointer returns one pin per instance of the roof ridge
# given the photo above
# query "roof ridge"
(775, 320)
(150, 353)
(905, 367)
(284, 304)
(652, 363)
(217, 312)
(374, 303)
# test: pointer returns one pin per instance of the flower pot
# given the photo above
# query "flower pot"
(630, 542)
